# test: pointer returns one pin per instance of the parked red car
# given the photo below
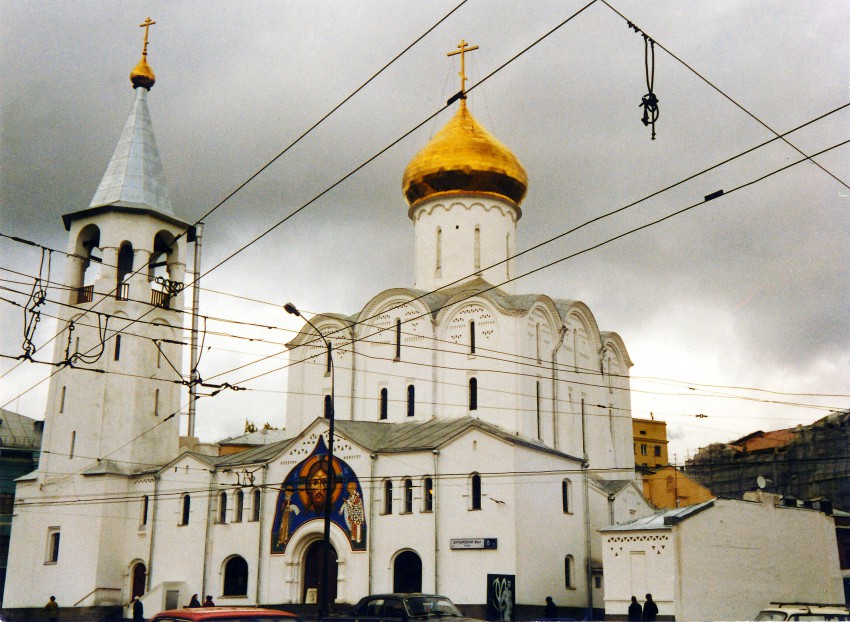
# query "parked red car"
(225, 614)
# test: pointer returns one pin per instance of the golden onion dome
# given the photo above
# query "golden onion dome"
(463, 157)
(142, 74)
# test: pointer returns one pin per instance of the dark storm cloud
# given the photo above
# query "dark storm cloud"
(745, 290)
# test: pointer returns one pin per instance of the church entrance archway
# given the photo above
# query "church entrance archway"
(138, 576)
(313, 560)
(407, 572)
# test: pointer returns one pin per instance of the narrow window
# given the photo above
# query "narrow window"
(472, 337)
(408, 496)
(388, 497)
(222, 508)
(565, 496)
(159, 357)
(62, 401)
(328, 407)
(428, 495)
(477, 243)
(398, 339)
(508, 253)
(328, 359)
(658, 451)
(156, 403)
(235, 577)
(537, 407)
(117, 354)
(473, 394)
(643, 450)
(256, 505)
(383, 413)
(145, 502)
(52, 545)
(411, 400)
(187, 502)
(537, 340)
(568, 572)
(240, 506)
(439, 250)
(73, 442)
(475, 491)
(597, 582)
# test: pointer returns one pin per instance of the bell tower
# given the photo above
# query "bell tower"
(115, 403)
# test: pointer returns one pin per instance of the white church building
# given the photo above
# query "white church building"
(482, 436)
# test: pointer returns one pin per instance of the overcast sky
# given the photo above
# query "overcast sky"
(736, 309)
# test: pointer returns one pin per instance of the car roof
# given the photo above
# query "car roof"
(217, 613)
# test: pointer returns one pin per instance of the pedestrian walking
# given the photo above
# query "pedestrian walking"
(51, 609)
(138, 610)
(650, 609)
(551, 608)
(635, 611)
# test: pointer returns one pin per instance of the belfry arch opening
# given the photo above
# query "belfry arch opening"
(125, 270)
(90, 257)
(159, 268)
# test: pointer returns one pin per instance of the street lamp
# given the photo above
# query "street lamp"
(322, 611)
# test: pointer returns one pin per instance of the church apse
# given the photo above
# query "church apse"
(303, 494)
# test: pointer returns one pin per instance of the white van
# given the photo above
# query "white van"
(804, 611)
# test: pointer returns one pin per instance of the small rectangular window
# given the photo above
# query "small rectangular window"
(658, 450)
(145, 503)
(73, 443)
(52, 545)
(62, 400)
(156, 403)
(643, 450)
(117, 347)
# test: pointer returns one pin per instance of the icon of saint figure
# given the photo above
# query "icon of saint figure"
(286, 508)
(352, 512)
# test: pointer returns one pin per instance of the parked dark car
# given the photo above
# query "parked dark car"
(403, 607)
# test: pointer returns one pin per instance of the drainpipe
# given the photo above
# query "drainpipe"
(370, 532)
(153, 531)
(194, 352)
(207, 535)
(434, 507)
(260, 535)
(587, 530)
(561, 333)
(351, 405)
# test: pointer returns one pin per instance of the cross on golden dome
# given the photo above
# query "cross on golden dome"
(142, 74)
(146, 25)
(463, 48)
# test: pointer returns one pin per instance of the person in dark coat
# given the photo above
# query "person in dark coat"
(138, 610)
(551, 608)
(208, 601)
(51, 609)
(194, 602)
(650, 609)
(635, 611)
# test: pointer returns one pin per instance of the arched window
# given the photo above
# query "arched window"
(472, 337)
(565, 496)
(537, 409)
(240, 506)
(407, 573)
(568, 572)
(255, 506)
(235, 577)
(388, 497)
(222, 508)
(398, 339)
(439, 258)
(411, 400)
(408, 496)
(477, 247)
(384, 399)
(473, 393)
(475, 491)
(328, 357)
(328, 407)
(184, 515)
(428, 495)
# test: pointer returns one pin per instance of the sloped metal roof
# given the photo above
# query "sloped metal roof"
(19, 431)
(662, 520)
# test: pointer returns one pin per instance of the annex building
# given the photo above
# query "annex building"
(482, 436)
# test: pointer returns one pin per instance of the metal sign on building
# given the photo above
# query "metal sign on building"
(473, 543)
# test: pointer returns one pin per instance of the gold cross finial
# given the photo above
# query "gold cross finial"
(463, 48)
(146, 25)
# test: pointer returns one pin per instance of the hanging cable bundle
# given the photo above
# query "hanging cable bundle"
(32, 315)
(649, 102)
